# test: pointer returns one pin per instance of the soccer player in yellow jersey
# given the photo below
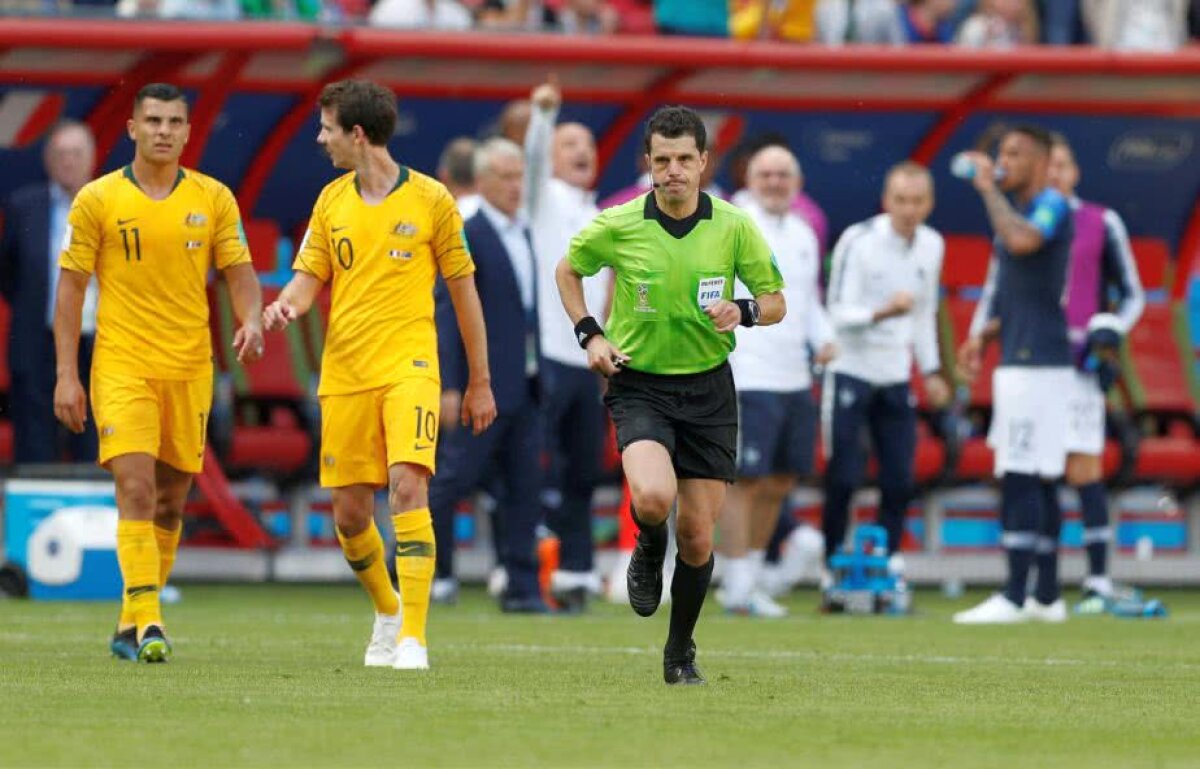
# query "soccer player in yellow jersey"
(150, 232)
(379, 236)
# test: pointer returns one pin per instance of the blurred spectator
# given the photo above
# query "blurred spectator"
(1137, 25)
(704, 18)
(423, 14)
(35, 227)
(1000, 24)
(1061, 23)
(306, 10)
(456, 170)
(866, 21)
(506, 280)
(529, 15)
(209, 10)
(925, 21)
(636, 17)
(803, 205)
(514, 121)
(791, 20)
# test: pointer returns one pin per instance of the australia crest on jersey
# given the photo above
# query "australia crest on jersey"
(407, 229)
(195, 219)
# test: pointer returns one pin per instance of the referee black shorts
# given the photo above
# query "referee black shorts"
(694, 416)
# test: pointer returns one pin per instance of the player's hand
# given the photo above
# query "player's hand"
(725, 315)
(826, 354)
(248, 343)
(970, 358)
(70, 403)
(937, 391)
(478, 407)
(547, 96)
(900, 304)
(984, 179)
(452, 402)
(603, 358)
(278, 315)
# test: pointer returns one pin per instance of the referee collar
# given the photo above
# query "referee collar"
(678, 228)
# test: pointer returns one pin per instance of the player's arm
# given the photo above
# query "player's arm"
(294, 300)
(985, 325)
(925, 336)
(479, 405)
(246, 295)
(1020, 236)
(70, 401)
(590, 251)
(539, 137)
(1120, 267)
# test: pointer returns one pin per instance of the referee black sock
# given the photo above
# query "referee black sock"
(689, 587)
(654, 535)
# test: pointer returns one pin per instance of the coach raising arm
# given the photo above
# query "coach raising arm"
(675, 252)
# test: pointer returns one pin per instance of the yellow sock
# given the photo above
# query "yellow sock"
(137, 554)
(168, 545)
(415, 551)
(364, 552)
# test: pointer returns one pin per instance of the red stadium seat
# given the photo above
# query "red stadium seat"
(1159, 349)
(270, 397)
(965, 264)
(262, 236)
(1153, 257)
(5, 324)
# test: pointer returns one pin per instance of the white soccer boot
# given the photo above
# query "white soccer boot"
(411, 655)
(381, 651)
(1039, 612)
(996, 610)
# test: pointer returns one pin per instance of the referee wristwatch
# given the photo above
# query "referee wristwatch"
(750, 311)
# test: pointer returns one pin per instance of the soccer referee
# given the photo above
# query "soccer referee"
(675, 252)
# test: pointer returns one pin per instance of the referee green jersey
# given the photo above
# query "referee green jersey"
(667, 271)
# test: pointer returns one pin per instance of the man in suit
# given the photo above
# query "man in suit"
(506, 280)
(35, 227)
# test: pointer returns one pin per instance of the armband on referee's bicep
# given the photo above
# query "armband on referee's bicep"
(587, 328)
(750, 311)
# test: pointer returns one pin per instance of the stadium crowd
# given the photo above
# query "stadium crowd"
(1135, 25)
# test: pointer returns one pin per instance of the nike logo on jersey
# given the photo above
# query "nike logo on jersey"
(123, 222)
(419, 447)
(339, 229)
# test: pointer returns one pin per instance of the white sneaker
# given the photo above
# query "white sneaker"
(381, 651)
(411, 655)
(1040, 612)
(996, 610)
(444, 591)
(762, 605)
(497, 582)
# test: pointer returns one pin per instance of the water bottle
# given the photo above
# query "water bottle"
(962, 167)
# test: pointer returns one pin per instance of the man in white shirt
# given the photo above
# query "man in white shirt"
(560, 169)
(883, 298)
(771, 370)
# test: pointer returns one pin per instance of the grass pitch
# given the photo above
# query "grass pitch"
(273, 676)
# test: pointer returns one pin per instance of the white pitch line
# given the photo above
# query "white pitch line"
(932, 659)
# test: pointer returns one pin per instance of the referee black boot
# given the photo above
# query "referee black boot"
(644, 577)
(679, 668)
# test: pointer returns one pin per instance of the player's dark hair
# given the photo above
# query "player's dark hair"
(673, 122)
(1058, 139)
(362, 103)
(1039, 135)
(159, 92)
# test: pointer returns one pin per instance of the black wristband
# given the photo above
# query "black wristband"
(585, 329)
(750, 311)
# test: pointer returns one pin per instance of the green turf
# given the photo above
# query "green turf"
(273, 676)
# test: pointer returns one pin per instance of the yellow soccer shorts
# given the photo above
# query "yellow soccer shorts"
(365, 433)
(165, 418)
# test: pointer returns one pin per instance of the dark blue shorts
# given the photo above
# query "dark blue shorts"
(778, 433)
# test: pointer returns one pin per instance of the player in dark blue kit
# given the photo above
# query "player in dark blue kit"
(1033, 234)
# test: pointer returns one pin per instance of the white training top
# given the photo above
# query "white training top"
(871, 263)
(776, 358)
(557, 211)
